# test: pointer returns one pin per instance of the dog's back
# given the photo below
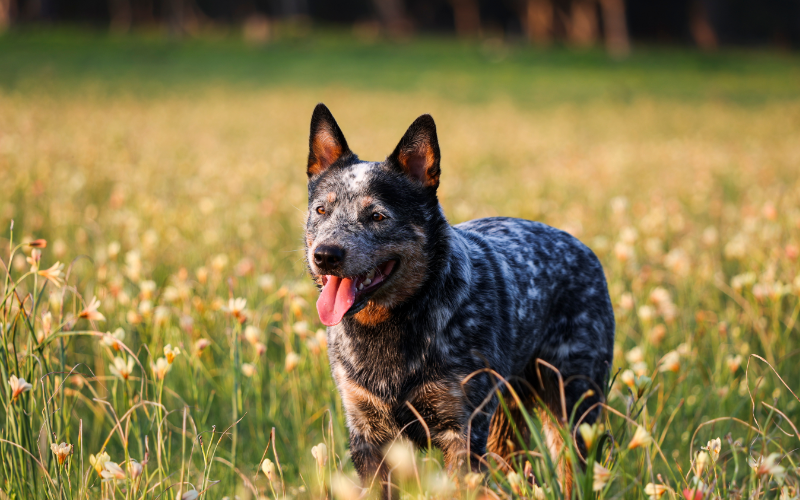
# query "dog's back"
(554, 294)
(560, 318)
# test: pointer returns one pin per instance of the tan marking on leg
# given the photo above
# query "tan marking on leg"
(367, 414)
(502, 437)
(555, 444)
(447, 400)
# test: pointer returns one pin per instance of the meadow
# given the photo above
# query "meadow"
(156, 302)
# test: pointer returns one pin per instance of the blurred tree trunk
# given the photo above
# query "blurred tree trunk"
(392, 16)
(582, 25)
(5, 14)
(467, 17)
(537, 19)
(616, 30)
(121, 15)
(702, 29)
(182, 17)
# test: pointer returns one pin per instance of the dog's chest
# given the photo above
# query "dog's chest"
(384, 363)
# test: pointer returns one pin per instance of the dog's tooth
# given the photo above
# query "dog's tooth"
(371, 275)
(367, 282)
(361, 286)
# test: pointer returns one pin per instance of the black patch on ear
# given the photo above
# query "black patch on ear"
(417, 154)
(326, 143)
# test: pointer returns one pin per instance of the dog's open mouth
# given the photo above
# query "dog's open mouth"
(340, 294)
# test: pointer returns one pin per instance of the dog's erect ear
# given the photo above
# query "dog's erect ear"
(417, 155)
(326, 143)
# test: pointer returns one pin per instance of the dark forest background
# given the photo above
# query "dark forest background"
(705, 23)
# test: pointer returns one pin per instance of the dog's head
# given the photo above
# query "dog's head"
(366, 234)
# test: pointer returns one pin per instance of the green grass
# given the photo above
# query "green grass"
(169, 176)
(442, 67)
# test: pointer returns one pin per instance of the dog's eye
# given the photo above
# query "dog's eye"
(377, 217)
(321, 210)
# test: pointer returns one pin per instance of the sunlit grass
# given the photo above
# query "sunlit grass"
(182, 215)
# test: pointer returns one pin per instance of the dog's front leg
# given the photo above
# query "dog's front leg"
(460, 453)
(369, 462)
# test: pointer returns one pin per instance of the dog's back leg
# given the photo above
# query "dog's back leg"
(503, 439)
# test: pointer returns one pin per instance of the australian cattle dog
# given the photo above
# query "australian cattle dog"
(424, 318)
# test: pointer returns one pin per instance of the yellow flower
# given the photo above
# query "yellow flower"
(589, 433)
(640, 368)
(734, 362)
(90, 312)
(135, 469)
(671, 362)
(472, 480)
(61, 451)
(640, 438)
(292, 360)
(628, 378)
(645, 313)
(236, 307)
(252, 334)
(515, 481)
(114, 340)
(345, 488)
(33, 260)
(769, 466)
(47, 326)
(301, 328)
(261, 348)
(635, 355)
(701, 462)
(18, 386)
(201, 346)
(269, 469)
(714, 446)
(400, 456)
(147, 288)
(320, 454)
(438, 485)
(121, 368)
(99, 461)
(112, 471)
(601, 477)
(248, 370)
(160, 368)
(53, 274)
(170, 353)
(654, 491)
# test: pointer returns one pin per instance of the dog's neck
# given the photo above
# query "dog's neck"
(404, 342)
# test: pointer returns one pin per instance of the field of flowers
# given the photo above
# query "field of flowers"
(159, 336)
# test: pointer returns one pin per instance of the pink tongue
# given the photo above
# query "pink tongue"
(337, 296)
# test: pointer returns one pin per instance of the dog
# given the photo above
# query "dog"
(424, 317)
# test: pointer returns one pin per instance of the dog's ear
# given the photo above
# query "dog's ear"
(417, 154)
(326, 143)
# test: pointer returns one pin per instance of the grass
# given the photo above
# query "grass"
(169, 178)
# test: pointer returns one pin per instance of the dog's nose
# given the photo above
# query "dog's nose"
(328, 257)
